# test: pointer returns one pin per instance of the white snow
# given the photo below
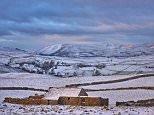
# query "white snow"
(17, 94)
(140, 82)
(50, 49)
(9, 109)
(96, 50)
(55, 93)
(65, 66)
(46, 81)
(128, 60)
(124, 95)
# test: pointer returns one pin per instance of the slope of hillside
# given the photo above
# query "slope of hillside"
(97, 50)
(50, 49)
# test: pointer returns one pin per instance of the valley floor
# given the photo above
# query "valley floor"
(46, 81)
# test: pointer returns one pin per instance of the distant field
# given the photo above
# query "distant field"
(45, 81)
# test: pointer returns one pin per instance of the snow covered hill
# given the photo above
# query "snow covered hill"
(66, 60)
(97, 50)
(50, 49)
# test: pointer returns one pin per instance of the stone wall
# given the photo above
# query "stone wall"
(74, 101)
(146, 103)
(35, 97)
(31, 101)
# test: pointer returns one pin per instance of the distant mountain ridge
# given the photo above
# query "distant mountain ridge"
(99, 50)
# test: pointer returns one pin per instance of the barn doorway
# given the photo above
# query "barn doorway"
(83, 101)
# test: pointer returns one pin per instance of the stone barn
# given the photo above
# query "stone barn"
(83, 101)
(61, 96)
(74, 96)
(54, 93)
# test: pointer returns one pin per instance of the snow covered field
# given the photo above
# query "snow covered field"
(13, 60)
(9, 109)
(22, 69)
(140, 82)
(46, 81)
(124, 95)
(17, 94)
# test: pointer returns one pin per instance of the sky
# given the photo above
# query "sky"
(35, 24)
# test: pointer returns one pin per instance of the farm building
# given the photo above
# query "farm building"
(83, 101)
(54, 93)
(61, 96)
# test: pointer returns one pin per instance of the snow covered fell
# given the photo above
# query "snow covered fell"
(97, 50)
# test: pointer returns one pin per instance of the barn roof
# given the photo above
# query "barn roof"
(55, 93)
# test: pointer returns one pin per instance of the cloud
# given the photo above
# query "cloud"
(66, 39)
(87, 20)
(6, 40)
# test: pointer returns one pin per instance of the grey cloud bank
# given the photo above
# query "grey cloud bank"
(45, 22)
